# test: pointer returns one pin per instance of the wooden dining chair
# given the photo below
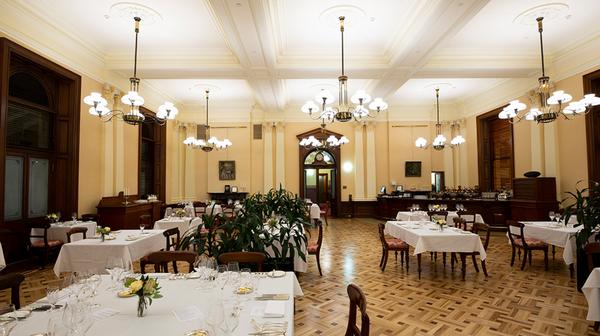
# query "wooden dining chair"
(314, 247)
(478, 228)
(161, 260)
(460, 223)
(591, 250)
(76, 230)
(519, 241)
(12, 281)
(391, 244)
(39, 242)
(437, 214)
(172, 237)
(254, 258)
(357, 300)
(324, 211)
(469, 218)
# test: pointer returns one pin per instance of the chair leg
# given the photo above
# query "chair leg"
(463, 267)
(406, 255)
(444, 258)
(546, 259)
(524, 260)
(452, 258)
(474, 263)
(382, 256)
(596, 325)
(530, 257)
(396, 255)
(319, 264)
(401, 258)
(553, 251)
(484, 268)
(325, 216)
(512, 258)
(419, 265)
(385, 258)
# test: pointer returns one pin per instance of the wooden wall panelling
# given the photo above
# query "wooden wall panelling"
(591, 84)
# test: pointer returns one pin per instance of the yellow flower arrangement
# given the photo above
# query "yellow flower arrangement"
(103, 230)
(146, 289)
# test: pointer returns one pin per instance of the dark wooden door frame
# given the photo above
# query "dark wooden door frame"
(160, 151)
(337, 157)
(483, 147)
(591, 84)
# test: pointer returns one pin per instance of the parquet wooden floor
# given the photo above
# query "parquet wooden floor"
(508, 302)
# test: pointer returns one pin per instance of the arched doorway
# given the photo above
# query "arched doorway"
(320, 172)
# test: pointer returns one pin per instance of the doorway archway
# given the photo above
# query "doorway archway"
(320, 172)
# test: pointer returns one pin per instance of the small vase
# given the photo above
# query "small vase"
(441, 228)
(142, 305)
(102, 237)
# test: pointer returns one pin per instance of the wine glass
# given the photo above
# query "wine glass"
(142, 227)
(74, 217)
(114, 267)
(52, 295)
(552, 215)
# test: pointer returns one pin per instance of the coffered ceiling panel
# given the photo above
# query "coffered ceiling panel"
(179, 26)
(509, 27)
(191, 91)
(452, 90)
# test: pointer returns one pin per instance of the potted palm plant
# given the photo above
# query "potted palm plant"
(584, 203)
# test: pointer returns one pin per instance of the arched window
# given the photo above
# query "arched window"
(319, 157)
(25, 86)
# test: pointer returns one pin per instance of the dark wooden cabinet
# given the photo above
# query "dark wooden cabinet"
(224, 197)
(533, 198)
(114, 213)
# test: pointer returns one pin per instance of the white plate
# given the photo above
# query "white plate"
(276, 274)
(19, 314)
(193, 275)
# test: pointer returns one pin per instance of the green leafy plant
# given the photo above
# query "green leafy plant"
(584, 203)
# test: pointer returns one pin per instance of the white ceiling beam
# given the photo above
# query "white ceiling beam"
(433, 25)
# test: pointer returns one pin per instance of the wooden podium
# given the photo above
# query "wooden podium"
(116, 214)
(533, 198)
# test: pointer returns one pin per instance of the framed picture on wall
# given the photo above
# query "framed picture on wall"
(226, 170)
(412, 169)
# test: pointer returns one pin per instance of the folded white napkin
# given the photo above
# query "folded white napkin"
(274, 309)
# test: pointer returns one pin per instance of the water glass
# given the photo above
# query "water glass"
(52, 295)
(552, 215)
(142, 227)
(74, 217)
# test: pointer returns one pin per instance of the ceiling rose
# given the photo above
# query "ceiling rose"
(439, 85)
(202, 87)
(549, 11)
(129, 10)
(355, 16)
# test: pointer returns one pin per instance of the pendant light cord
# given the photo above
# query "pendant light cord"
(540, 30)
(137, 31)
(437, 104)
(342, 18)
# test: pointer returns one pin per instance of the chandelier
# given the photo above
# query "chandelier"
(322, 142)
(344, 112)
(439, 142)
(550, 106)
(99, 105)
(206, 142)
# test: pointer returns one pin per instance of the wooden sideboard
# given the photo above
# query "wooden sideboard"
(533, 198)
(114, 213)
(224, 197)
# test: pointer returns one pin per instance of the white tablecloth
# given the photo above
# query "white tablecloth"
(426, 237)
(2, 261)
(92, 254)
(591, 291)
(553, 233)
(177, 294)
(58, 231)
(315, 211)
(412, 216)
(183, 224)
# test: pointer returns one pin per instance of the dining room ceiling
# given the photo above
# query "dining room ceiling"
(276, 54)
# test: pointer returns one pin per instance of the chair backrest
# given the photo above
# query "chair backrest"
(172, 236)
(515, 236)
(41, 227)
(590, 250)
(432, 214)
(89, 218)
(382, 235)
(75, 230)
(12, 281)
(324, 207)
(460, 223)
(145, 219)
(357, 300)
(161, 259)
(320, 237)
(482, 227)
(468, 216)
(256, 258)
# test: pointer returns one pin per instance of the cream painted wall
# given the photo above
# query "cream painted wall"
(90, 153)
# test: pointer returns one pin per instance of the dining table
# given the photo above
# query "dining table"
(426, 236)
(92, 254)
(2, 260)
(553, 233)
(186, 305)
(58, 231)
(591, 291)
(184, 224)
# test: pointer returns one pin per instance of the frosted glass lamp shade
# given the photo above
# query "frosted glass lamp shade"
(167, 111)
(457, 140)
(132, 98)
(378, 104)
(360, 97)
(324, 96)
(94, 99)
(421, 142)
(559, 97)
(309, 107)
